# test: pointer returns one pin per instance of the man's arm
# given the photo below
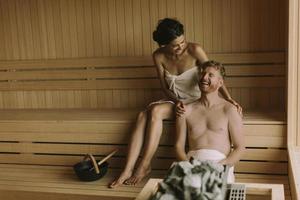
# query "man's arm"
(181, 131)
(235, 125)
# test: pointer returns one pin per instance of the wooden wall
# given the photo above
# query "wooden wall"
(293, 106)
(50, 29)
(63, 29)
(294, 75)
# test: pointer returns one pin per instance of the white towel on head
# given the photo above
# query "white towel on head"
(211, 155)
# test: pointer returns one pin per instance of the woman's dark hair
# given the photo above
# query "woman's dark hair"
(167, 30)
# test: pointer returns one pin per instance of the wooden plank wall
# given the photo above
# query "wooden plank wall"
(294, 75)
(59, 29)
(293, 91)
(250, 99)
(255, 86)
(51, 29)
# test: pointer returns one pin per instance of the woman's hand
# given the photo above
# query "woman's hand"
(238, 107)
(179, 108)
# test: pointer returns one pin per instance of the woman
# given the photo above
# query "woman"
(175, 61)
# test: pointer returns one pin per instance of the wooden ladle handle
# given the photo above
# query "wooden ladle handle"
(91, 157)
(108, 156)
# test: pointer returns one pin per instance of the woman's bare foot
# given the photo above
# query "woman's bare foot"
(140, 173)
(122, 178)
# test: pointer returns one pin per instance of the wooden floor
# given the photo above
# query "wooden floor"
(45, 179)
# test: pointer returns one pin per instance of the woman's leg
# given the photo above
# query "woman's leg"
(134, 149)
(158, 113)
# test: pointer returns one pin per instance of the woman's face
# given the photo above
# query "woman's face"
(178, 45)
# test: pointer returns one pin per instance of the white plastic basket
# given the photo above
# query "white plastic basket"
(236, 192)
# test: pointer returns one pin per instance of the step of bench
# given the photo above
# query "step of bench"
(61, 137)
(62, 180)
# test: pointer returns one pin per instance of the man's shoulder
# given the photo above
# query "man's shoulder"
(229, 108)
(231, 112)
(190, 107)
(194, 103)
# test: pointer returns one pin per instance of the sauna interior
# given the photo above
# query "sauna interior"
(75, 73)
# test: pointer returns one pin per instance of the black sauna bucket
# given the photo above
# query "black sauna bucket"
(90, 169)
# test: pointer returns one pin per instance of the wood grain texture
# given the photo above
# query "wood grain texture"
(46, 137)
(85, 28)
(88, 80)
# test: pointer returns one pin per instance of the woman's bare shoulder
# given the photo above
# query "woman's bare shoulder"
(158, 53)
(197, 52)
(194, 47)
(158, 56)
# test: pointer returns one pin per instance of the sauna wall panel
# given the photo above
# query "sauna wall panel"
(250, 99)
(72, 29)
(44, 29)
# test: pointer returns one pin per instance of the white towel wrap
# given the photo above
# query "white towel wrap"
(211, 155)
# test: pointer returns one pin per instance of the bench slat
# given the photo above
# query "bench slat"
(251, 141)
(242, 166)
(92, 117)
(80, 74)
(268, 57)
(255, 70)
(231, 82)
(35, 188)
(105, 149)
(59, 175)
(123, 73)
(66, 180)
(16, 131)
(233, 58)
(55, 172)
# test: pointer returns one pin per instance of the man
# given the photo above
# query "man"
(211, 123)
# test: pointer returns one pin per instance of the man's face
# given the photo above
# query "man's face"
(178, 45)
(210, 80)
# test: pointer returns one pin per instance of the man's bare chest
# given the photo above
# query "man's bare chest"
(213, 121)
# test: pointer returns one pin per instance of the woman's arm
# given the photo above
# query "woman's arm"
(223, 90)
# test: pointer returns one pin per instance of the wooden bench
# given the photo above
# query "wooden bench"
(57, 111)
(39, 146)
(257, 81)
(253, 191)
